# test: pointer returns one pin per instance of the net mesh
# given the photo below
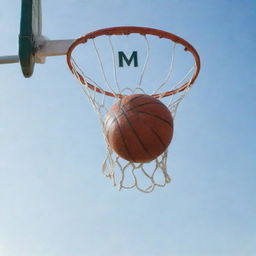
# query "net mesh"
(102, 54)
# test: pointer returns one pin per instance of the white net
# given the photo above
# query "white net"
(131, 64)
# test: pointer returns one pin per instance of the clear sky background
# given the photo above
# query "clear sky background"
(54, 201)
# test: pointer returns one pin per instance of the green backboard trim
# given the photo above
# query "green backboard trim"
(29, 30)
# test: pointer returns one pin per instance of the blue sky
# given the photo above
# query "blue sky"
(54, 201)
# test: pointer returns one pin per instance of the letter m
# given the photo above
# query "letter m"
(133, 58)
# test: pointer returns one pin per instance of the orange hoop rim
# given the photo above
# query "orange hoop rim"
(126, 30)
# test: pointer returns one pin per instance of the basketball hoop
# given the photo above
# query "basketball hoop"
(129, 60)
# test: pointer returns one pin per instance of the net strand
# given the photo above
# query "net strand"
(168, 76)
(114, 64)
(102, 67)
(146, 61)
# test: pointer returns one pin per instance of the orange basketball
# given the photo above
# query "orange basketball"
(139, 128)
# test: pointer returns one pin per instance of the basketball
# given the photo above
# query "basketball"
(139, 128)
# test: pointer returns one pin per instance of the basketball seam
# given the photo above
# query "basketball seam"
(123, 139)
(146, 103)
(133, 108)
(156, 116)
(133, 99)
(134, 131)
(142, 104)
(159, 138)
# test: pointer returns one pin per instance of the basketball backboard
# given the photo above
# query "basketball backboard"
(33, 46)
(30, 33)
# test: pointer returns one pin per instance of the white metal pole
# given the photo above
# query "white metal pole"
(9, 59)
